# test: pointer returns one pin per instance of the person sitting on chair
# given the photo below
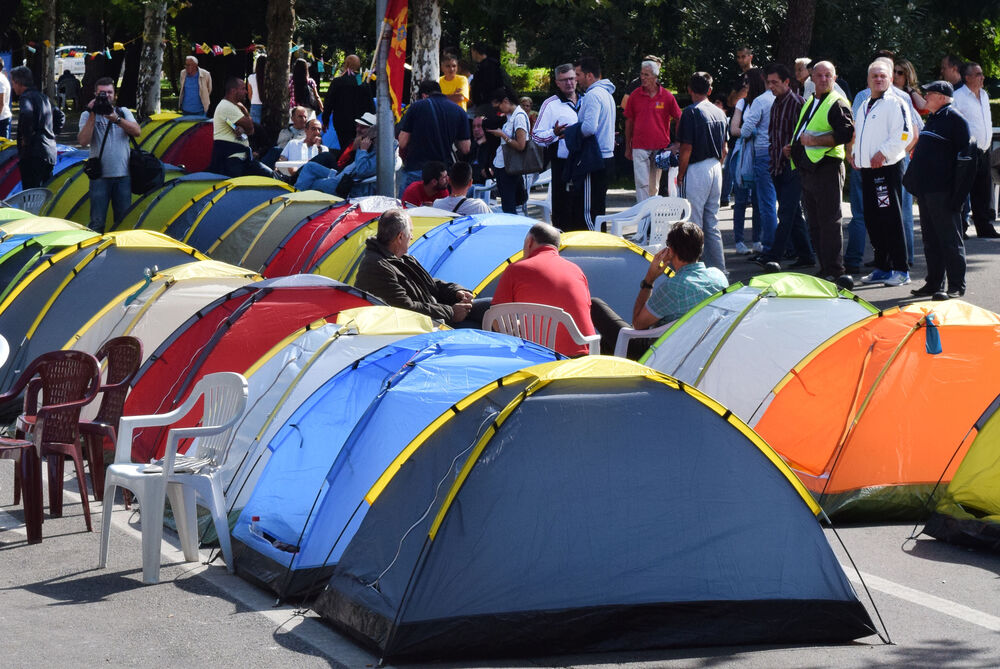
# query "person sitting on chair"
(231, 126)
(543, 277)
(459, 202)
(671, 297)
(389, 273)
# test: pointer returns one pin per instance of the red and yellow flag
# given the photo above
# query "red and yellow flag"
(395, 16)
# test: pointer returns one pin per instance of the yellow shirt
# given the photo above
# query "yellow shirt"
(459, 84)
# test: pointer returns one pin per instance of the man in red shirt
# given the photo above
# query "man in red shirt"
(542, 277)
(648, 113)
(433, 184)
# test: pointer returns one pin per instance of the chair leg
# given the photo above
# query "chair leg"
(82, 482)
(221, 520)
(183, 503)
(17, 482)
(152, 534)
(31, 476)
(94, 446)
(107, 507)
(56, 464)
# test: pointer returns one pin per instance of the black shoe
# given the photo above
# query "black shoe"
(940, 296)
(852, 269)
(758, 258)
(987, 233)
(955, 294)
(802, 262)
(925, 290)
(845, 281)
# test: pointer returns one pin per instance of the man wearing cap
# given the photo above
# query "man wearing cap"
(974, 104)
(940, 174)
(355, 163)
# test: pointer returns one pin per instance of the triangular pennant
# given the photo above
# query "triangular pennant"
(118, 46)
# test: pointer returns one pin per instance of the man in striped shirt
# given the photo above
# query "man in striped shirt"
(787, 182)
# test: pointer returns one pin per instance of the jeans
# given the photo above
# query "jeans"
(313, 176)
(742, 197)
(907, 206)
(255, 112)
(5, 128)
(702, 188)
(857, 235)
(509, 187)
(791, 225)
(727, 182)
(116, 191)
(766, 197)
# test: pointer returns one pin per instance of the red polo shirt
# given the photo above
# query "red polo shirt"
(651, 118)
(546, 278)
(414, 194)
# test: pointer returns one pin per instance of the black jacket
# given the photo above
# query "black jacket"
(404, 283)
(36, 141)
(943, 160)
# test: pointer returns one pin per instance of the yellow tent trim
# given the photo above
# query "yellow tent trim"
(151, 239)
(385, 320)
(37, 225)
(23, 283)
(827, 344)
(263, 205)
(232, 184)
(311, 196)
(118, 299)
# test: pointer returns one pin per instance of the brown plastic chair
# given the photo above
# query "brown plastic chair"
(124, 355)
(68, 380)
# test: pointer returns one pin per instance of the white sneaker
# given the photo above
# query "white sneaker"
(877, 276)
(897, 279)
(742, 249)
(758, 247)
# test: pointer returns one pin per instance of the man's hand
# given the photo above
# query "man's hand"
(807, 140)
(464, 296)
(557, 129)
(365, 143)
(878, 160)
(659, 264)
(850, 159)
(786, 150)
(460, 311)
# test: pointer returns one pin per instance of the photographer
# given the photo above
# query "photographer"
(107, 129)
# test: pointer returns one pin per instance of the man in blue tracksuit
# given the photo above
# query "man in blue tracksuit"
(596, 119)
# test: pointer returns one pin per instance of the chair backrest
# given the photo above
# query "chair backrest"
(533, 322)
(124, 355)
(4, 351)
(69, 380)
(30, 199)
(225, 397)
(668, 211)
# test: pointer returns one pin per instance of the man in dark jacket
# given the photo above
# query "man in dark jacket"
(349, 97)
(940, 177)
(387, 272)
(36, 139)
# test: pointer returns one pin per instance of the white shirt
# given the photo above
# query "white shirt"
(553, 111)
(5, 112)
(518, 120)
(296, 149)
(809, 88)
(976, 112)
(254, 90)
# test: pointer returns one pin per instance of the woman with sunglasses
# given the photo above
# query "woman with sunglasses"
(904, 77)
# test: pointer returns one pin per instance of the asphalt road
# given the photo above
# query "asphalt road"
(939, 602)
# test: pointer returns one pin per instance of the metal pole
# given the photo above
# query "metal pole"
(385, 149)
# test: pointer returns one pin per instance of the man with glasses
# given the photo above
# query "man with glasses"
(972, 102)
(556, 113)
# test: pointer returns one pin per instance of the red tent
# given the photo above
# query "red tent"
(230, 334)
(311, 241)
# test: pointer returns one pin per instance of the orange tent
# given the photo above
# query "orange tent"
(870, 419)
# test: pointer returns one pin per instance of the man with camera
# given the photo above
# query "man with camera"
(106, 129)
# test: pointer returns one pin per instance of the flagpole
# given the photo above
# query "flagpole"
(385, 149)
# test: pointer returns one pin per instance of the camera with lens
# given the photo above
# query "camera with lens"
(102, 105)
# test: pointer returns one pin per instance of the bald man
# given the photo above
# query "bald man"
(817, 150)
(348, 98)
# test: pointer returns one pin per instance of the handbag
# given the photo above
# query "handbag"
(92, 166)
(743, 177)
(529, 161)
(144, 169)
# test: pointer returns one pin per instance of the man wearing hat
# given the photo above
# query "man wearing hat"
(355, 163)
(940, 176)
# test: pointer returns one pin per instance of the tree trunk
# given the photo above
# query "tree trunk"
(426, 41)
(274, 90)
(48, 82)
(796, 34)
(151, 60)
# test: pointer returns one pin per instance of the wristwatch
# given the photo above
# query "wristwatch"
(645, 284)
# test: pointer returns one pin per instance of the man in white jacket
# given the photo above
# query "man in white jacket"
(882, 131)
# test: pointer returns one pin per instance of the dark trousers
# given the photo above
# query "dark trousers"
(981, 195)
(822, 191)
(881, 194)
(34, 173)
(941, 230)
(511, 190)
(608, 324)
(562, 201)
(589, 201)
(791, 225)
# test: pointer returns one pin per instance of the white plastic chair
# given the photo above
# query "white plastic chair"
(31, 199)
(225, 397)
(374, 178)
(4, 351)
(538, 323)
(634, 215)
(625, 335)
(652, 231)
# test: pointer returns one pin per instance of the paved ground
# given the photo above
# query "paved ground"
(940, 603)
